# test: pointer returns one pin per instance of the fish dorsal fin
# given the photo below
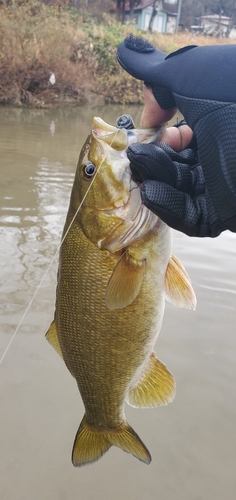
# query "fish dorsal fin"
(156, 387)
(52, 338)
(178, 289)
(125, 282)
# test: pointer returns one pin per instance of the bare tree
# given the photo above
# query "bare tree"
(131, 13)
(120, 10)
(153, 15)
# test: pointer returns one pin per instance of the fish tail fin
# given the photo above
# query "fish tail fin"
(91, 444)
(128, 440)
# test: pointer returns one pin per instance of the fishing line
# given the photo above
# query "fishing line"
(53, 259)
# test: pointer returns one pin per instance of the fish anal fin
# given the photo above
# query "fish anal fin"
(125, 282)
(91, 444)
(178, 288)
(156, 387)
(52, 338)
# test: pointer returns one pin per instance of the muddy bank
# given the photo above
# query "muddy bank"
(54, 56)
(50, 57)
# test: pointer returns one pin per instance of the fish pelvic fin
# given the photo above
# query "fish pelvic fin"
(156, 387)
(178, 288)
(91, 444)
(125, 282)
(52, 338)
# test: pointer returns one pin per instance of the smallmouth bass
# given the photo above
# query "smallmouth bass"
(115, 272)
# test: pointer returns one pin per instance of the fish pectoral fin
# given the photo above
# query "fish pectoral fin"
(52, 338)
(125, 282)
(91, 444)
(156, 387)
(178, 288)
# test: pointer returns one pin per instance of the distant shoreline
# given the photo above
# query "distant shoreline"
(52, 57)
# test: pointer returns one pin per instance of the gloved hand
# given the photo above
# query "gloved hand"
(173, 187)
(200, 82)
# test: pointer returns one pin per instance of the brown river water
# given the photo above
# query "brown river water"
(192, 440)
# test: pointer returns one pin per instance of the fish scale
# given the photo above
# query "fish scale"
(104, 343)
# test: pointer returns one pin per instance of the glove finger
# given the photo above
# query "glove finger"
(150, 162)
(187, 155)
(177, 209)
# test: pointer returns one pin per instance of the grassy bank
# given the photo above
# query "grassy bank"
(38, 41)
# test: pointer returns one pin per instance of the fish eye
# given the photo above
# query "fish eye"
(89, 170)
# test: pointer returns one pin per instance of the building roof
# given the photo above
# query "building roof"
(170, 7)
(215, 18)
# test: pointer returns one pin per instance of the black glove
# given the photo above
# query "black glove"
(173, 187)
(200, 82)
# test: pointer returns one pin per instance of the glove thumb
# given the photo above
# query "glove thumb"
(176, 208)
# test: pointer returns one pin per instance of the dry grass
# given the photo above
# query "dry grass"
(169, 43)
(37, 40)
